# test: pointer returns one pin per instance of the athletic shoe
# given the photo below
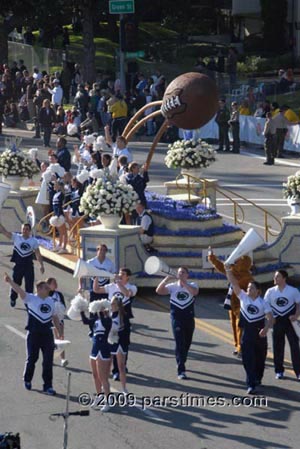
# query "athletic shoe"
(125, 392)
(116, 376)
(182, 376)
(13, 302)
(298, 377)
(251, 390)
(97, 400)
(235, 352)
(50, 391)
(105, 408)
(62, 251)
(27, 385)
(64, 363)
(56, 249)
(279, 376)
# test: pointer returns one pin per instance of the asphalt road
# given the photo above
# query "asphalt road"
(198, 413)
(208, 410)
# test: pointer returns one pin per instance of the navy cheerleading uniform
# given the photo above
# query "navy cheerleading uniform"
(283, 304)
(100, 326)
(57, 203)
(119, 329)
(254, 347)
(183, 321)
(39, 337)
(23, 253)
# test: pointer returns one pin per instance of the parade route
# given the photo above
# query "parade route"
(208, 410)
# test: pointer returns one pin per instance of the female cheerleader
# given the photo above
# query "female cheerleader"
(119, 338)
(100, 358)
(58, 219)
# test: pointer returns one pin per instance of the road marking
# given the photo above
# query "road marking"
(15, 331)
(281, 162)
(210, 329)
(138, 405)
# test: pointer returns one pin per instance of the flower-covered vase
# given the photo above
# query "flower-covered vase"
(15, 181)
(110, 221)
(190, 173)
(294, 205)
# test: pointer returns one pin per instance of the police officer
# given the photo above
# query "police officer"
(124, 291)
(254, 310)
(41, 313)
(182, 296)
(285, 303)
(25, 246)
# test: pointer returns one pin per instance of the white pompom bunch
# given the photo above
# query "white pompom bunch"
(79, 303)
(99, 305)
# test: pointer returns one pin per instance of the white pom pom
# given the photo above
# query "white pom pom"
(97, 306)
(79, 303)
(97, 173)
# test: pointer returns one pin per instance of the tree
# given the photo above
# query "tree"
(274, 16)
(33, 12)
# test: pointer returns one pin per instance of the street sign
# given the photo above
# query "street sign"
(121, 7)
(135, 54)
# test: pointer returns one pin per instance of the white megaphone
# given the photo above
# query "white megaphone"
(154, 265)
(249, 242)
(84, 269)
(4, 191)
(30, 216)
(60, 346)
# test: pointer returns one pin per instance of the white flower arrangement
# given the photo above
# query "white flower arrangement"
(190, 154)
(13, 162)
(108, 196)
(291, 189)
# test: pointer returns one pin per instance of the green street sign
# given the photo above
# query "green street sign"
(135, 54)
(121, 6)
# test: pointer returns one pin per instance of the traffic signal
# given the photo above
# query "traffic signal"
(129, 34)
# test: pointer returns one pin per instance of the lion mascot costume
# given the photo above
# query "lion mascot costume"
(241, 270)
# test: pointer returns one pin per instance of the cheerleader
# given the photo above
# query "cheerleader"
(254, 310)
(60, 307)
(100, 358)
(76, 193)
(58, 219)
(119, 338)
(126, 291)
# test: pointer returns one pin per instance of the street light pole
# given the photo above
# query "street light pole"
(121, 57)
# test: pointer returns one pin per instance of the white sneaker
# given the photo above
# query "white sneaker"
(97, 400)
(64, 363)
(105, 408)
(63, 251)
(56, 249)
